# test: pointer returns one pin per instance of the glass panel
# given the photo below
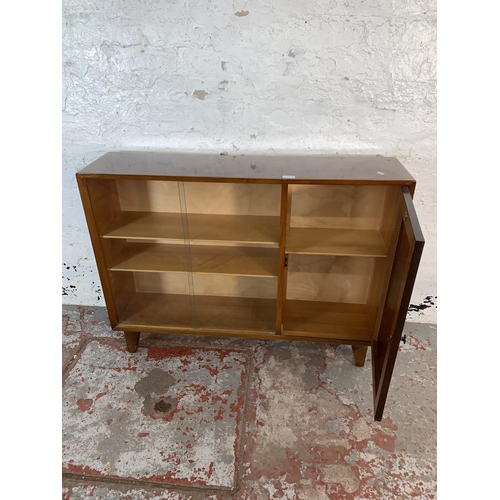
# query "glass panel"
(143, 238)
(233, 236)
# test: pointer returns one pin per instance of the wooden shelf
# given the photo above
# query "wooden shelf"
(162, 312)
(250, 229)
(145, 226)
(235, 260)
(346, 242)
(333, 320)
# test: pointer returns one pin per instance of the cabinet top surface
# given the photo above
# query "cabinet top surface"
(277, 168)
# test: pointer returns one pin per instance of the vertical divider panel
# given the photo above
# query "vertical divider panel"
(187, 250)
(284, 223)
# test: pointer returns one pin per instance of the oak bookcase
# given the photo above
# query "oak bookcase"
(297, 248)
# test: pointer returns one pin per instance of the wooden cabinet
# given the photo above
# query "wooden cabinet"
(299, 248)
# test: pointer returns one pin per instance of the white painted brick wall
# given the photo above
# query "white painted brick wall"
(271, 76)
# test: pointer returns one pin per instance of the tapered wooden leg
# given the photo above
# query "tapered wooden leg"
(359, 352)
(132, 339)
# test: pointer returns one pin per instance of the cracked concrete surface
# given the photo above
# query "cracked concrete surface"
(118, 407)
(188, 418)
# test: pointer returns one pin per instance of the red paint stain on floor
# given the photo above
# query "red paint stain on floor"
(84, 404)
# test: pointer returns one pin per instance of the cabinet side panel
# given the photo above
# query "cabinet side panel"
(221, 198)
(101, 207)
(390, 212)
(389, 229)
(123, 288)
(104, 200)
(378, 284)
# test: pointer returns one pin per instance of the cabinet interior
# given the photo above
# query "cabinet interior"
(189, 256)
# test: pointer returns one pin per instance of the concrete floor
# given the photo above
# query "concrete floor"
(191, 418)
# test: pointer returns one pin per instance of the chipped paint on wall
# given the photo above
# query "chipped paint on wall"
(78, 275)
(356, 77)
(423, 304)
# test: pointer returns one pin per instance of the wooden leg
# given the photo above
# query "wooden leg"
(132, 339)
(359, 352)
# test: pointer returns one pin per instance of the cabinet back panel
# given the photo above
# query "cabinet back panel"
(356, 207)
(205, 284)
(148, 196)
(230, 314)
(235, 286)
(232, 199)
(170, 283)
(329, 279)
